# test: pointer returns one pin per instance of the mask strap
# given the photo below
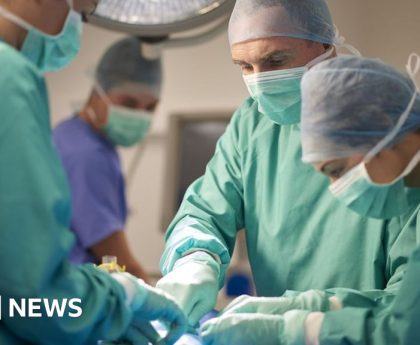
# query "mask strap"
(103, 94)
(413, 163)
(320, 58)
(15, 19)
(340, 42)
(413, 67)
(71, 4)
(92, 114)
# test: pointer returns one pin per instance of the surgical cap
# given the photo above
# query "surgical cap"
(123, 65)
(349, 104)
(304, 19)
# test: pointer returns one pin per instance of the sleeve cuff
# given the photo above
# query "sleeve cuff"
(131, 286)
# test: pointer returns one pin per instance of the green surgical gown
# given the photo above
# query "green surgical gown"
(34, 217)
(391, 320)
(298, 236)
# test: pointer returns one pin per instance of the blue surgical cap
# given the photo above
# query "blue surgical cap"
(349, 104)
(123, 64)
(305, 19)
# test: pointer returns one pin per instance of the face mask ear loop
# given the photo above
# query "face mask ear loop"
(71, 4)
(340, 42)
(320, 58)
(413, 67)
(103, 94)
(91, 113)
(15, 19)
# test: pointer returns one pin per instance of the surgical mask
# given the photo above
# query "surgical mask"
(125, 126)
(50, 52)
(278, 92)
(367, 198)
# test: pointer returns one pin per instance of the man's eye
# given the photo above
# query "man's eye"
(276, 62)
(129, 103)
(334, 170)
(336, 173)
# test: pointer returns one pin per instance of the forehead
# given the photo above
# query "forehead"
(137, 91)
(141, 97)
(252, 51)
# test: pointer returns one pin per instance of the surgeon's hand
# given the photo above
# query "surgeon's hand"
(150, 304)
(194, 284)
(255, 329)
(312, 300)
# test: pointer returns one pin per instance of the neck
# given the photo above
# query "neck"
(89, 118)
(84, 115)
(11, 33)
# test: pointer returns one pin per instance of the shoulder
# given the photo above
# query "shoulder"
(410, 219)
(247, 122)
(15, 68)
(23, 93)
(248, 116)
(247, 110)
(76, 138)
(92, 160)
(67, 130)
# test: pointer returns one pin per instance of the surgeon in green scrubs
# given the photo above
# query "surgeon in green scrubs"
(361, 128)
(367, 141)
(298, 236)
(38, 36)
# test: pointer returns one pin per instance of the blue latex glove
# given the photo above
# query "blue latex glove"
(256, 329)
(312, 300)
(194, 284)
(150, 304)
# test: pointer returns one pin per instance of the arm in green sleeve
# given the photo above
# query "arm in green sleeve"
(402, 236)
(34, 215)
(387, 322)
(212, 210)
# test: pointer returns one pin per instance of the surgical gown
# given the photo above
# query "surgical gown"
(298, 236)
(391, 320)
(34, 216)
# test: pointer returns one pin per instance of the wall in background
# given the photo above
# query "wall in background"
(202, 78)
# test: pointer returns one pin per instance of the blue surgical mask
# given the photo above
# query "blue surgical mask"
(50, 52)
(367, 198)
(278, 92)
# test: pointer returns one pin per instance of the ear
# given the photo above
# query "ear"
(85, 7)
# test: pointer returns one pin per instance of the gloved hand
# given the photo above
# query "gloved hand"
(256, 329)
(312, 300)
(194, 284)
(149, 304)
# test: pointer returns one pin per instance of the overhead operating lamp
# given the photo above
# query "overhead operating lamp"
(160, 20)
(162, 24)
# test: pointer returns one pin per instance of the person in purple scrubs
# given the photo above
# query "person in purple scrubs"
(117, 113)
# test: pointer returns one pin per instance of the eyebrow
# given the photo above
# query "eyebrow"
(279, 54)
